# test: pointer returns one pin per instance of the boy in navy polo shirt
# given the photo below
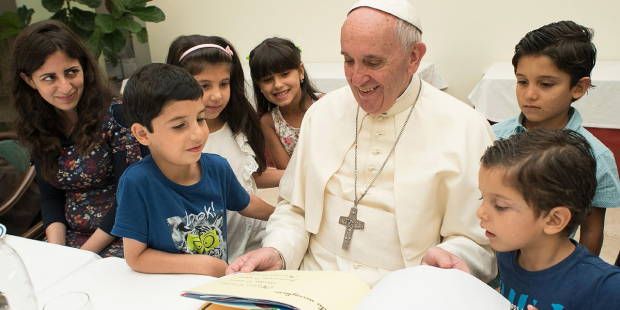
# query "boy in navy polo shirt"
(537, 186)
(172, 204)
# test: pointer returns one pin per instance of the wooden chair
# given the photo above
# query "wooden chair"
(18, 156)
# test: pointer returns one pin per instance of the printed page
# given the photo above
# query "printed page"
(308, 290)
(429, 288)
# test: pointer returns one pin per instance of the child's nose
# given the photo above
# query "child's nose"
(216, 95)
(278, 82)
(531, 93)
(481, 212)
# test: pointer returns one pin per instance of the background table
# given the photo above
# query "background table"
(111, 284)
(330, 76)
(47, 263)
(495, 97)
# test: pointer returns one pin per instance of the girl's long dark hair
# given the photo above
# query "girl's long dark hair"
(37, 123)
(276, 55)
(239, 112)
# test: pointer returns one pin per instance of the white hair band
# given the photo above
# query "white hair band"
(201, 46)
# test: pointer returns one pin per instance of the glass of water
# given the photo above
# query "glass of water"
(70, 301)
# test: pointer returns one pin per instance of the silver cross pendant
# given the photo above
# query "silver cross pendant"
(351, 222)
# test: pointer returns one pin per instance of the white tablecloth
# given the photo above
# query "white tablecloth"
(111, 284)
(330, 76)
(48, 263)
(495, 97)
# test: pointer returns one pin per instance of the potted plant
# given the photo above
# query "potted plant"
(106, 33)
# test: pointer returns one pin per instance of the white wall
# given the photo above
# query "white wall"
(463, 37)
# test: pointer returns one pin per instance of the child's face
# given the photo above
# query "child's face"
(543, 92)
(283, 88)
(509, 222)
(215, 82)
(179, 134)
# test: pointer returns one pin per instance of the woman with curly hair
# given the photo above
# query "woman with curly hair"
(71, 123)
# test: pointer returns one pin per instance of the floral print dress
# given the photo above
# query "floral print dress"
(83, 193)
(288, 134)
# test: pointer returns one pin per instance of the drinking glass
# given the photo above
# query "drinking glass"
(70, 301)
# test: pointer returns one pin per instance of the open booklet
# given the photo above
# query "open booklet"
(420, 287)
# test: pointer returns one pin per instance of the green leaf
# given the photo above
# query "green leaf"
(114, 42)
(142, 36)
(111, 57)
(25, 15)
(90, 3)
(61, 16)
(83, 19)
(135, 3)
(129, 24)
(117, 7)
(95, 42)
(9, 32)
(149, 14)
(106, 22)
(53, 5)
(10, 20)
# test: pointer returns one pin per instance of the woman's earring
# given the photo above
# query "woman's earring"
(301, 81)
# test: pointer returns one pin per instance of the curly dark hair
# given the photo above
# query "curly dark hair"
(239, 113)
(276, 55)
(37, 125)
(549, 168)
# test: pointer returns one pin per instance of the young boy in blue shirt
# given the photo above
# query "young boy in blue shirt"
(172, 204)
(553, 65)
(537, 186)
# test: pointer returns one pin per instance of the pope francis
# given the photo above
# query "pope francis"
(385, 173)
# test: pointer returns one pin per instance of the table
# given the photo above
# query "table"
(111, 284)
(47, 263)
(495, 97)
(330, 76)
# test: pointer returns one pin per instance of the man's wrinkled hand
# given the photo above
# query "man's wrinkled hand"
(438, 257)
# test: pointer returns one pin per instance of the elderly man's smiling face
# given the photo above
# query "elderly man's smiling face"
(377, 68)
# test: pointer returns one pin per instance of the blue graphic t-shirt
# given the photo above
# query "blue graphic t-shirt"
(175, 218)
(581, 281)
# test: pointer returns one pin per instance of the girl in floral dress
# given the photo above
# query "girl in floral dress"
(69, 120)
(282, 88)
(234, 126)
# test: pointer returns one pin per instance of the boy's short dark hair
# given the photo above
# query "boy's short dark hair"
(549, 168)
(152, 87)
(568, 44)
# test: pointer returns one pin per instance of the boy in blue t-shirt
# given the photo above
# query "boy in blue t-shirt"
(172, 203)
(553, 66)
(537, 186)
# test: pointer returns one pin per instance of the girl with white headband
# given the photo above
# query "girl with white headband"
(234, 126)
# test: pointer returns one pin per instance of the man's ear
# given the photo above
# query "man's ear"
(417, 52)
(581, 88)
(556, 220)
(141, 133)
(27, 80)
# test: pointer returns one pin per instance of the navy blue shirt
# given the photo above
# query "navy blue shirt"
(175, 218)
(581, 281)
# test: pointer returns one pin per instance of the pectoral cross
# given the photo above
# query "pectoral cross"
(351, 222)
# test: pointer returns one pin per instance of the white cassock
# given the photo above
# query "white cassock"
(426, 195)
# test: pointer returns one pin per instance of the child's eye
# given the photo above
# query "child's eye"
(179, 126)
(498, 208)
(546, 84)
(225, 84)
(522, 82)
(201, 119)
(285, 73)
(205, 86)
(266, 80)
